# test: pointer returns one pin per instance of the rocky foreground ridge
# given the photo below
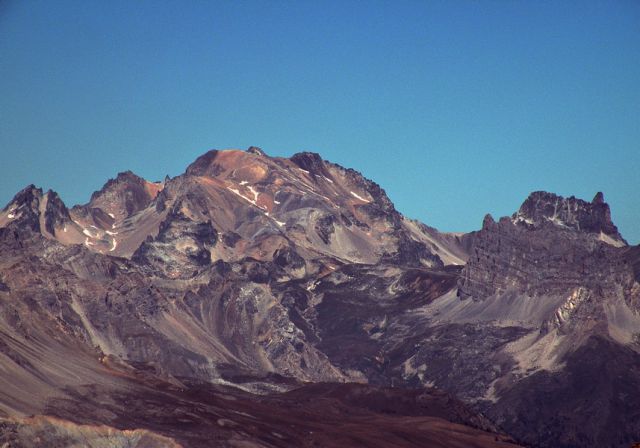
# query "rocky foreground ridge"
(207, 306)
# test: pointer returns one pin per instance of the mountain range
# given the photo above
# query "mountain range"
(258, 301)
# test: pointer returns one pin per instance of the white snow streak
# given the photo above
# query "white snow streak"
(557, 221)
(252, 201)
(609, 240)
(236, 191)
(355, 195)
(520, 218)
(255, 193)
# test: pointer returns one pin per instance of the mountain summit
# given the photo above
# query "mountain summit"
(542, 208)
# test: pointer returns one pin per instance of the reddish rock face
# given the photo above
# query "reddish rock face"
(217, 305)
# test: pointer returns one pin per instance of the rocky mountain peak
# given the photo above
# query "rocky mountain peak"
(123, 179)
(28, 196)
(488, 221)
(256, 151)
(56, 213)
(24, 209)
(598, 198)
(309, 161)
(542, 208)
(40, 212)
(125, 195)
(551, 234)
(203, 165)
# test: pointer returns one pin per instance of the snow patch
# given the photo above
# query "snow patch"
(11, 216)
(236, 191)
(254, 192)
(112, 215)
(323, 177)
(244, 182)
(609, 240)
(557, 221)
(519, 218)
(86, 232)
(115, 244)
(111, 233)
(355, 195)
(276, 202)
(280, 223)
(304, 171)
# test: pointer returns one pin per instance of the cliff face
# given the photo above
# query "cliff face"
(260, 274)
(540, 258)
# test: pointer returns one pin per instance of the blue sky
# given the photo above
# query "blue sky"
(456, 108)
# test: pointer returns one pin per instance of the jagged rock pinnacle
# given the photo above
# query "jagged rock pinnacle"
(598, 198)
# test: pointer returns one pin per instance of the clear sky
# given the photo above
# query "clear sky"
(456, 108)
